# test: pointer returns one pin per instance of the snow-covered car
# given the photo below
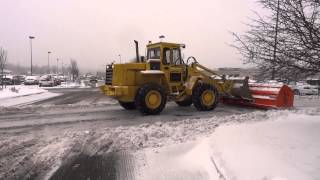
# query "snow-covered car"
(47, 80)
(305, 89)
(31, 80)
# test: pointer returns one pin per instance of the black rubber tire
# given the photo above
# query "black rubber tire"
(185, 103)
(196, 97)
(128, 105)
(141, 95)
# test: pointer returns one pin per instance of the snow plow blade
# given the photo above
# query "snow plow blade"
(265, 97)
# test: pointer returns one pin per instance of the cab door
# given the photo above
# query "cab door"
(173, 67)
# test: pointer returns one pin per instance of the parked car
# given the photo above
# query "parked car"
(47, 80)
(56, 78)
(6, 80)
(305, 89)
(31, 80)
(21, 78)
(16, 80)
(93, 80)
(62, 78)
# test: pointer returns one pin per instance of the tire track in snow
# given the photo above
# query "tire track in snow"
(221, 176)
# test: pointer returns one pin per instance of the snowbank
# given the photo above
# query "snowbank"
(20, 90)
(287, 147)
(27, 99)
(21, 95)
(70, 85)
(279, 145)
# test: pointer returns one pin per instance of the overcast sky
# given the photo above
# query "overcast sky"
(95, 32)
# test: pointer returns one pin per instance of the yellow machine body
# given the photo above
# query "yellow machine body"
(149, 82)
(128, 77)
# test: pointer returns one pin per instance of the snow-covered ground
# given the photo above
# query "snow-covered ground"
(282, 146)
(285, 147)
(181, 143)
(81, 84)
(20, 90)
(20, 94)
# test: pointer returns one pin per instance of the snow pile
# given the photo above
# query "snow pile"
(70, 85)
(160, 134)
(284, 147)
(20, 90)
(183, 161)
(22, 95)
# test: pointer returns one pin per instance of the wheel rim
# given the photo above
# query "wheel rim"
(153, 99)
(208, 97)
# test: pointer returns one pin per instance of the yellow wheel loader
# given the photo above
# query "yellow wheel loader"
(162, 75)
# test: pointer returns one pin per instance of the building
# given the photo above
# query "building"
(239, 72)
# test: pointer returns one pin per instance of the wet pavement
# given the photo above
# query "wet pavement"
(84, 167)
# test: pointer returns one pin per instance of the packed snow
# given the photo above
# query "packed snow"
(21, 95)
(20, 90)
(286, 147)
(222, 144)
(283, 146)
(81, 84)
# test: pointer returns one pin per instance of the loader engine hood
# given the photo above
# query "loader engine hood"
(123, 74)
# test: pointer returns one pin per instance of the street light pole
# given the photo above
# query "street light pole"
(49, 62)
(31, 37)
(62, 69)
(57, 66)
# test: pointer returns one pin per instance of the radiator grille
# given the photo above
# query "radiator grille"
(109, 72)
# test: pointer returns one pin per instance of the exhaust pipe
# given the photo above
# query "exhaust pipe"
(137, 51)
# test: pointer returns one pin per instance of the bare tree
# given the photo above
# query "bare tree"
(3, 61)
(286, 41)
(74, 70)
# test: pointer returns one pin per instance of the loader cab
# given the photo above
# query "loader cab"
(167, 57)
(165, 53)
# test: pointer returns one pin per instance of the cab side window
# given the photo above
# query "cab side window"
(176, 56)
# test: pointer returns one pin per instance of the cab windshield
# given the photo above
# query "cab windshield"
(154, 53)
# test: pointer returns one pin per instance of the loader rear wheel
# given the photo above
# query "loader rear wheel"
(128, 105)
(205, 97)
(185, 103)
(151, 99)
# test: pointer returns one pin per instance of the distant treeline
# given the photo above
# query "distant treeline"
(18, 69)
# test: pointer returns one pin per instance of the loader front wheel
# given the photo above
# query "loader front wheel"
(151, 99)
(205, 97)
(128, 105)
